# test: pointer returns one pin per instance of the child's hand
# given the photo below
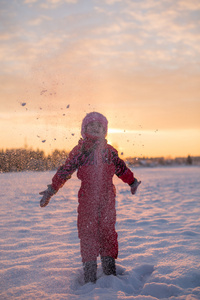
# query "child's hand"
(47, 194)
(134, 186)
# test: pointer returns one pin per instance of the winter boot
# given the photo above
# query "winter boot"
(108, 265)
(90, 271)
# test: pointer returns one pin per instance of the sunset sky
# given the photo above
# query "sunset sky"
(137, 62)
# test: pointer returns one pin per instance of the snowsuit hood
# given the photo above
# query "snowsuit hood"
(93, 116)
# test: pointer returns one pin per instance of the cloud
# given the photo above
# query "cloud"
(110, 2)
(145, 37)
(5, 36)
(159, 34)
(38, 21)
(52, 4)
(30, 1)
(189, 5)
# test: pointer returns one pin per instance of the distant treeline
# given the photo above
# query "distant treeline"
(16, 160)
(161, 161)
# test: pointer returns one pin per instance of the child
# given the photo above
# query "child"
(96, 162)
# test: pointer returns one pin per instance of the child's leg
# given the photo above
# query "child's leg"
(90, 271)
(89, 243)
(89, 248)
(108, 234)
(109, 252)
(108, 265)
(88, 235)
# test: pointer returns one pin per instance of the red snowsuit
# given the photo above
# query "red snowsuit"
(97, 162)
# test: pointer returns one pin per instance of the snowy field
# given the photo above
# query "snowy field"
(159, 239)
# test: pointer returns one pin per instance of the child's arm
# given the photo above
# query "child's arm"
(63, 173)
(47, 194)
(134, 186)
(124, 173)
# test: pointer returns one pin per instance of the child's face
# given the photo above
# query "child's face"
(95, 129)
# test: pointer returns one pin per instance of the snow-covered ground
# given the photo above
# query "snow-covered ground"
(159, 239)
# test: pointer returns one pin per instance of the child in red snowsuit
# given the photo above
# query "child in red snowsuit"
(96, 162)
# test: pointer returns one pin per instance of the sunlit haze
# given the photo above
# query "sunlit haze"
(137, 62)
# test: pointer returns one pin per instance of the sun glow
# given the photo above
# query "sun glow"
(115, 130)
